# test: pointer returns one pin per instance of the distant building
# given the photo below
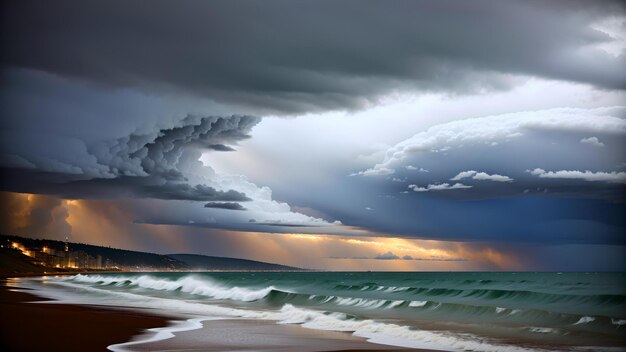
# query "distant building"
(68, 261)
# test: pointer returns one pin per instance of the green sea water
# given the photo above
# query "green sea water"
(449, 311)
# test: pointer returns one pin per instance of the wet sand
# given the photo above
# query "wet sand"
(27, 326)
(262, 336)
(60, 327)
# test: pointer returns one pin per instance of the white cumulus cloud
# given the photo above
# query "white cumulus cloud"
(381, 171)
(413, 168)
(481, 176)
(611, 177)
(503, 127)
(438, 187)
(594, 141)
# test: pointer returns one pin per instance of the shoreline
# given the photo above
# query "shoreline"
(27, 325)
(217, 335)
(5, 277)
(30, 326)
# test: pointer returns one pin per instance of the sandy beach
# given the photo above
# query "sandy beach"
(28, 326)
(256, 335)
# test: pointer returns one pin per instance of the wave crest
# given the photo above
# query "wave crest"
(188, 284)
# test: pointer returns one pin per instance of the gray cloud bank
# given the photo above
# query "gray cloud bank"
(96, 100)
(141, 165)
(287, 56)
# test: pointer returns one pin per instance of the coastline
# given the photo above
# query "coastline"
(261, 335)
(50, 327)
(30, 326)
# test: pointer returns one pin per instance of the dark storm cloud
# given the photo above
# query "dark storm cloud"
(29, 181)
(141, 155)
(295, 56)
(182, 191)
(281, 224)
(139, 165)
(225, 205)
(35, 215)
(221, 148)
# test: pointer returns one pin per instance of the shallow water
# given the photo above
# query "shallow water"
(446, 311)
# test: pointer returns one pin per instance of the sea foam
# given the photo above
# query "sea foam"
(584, 320)
(417, 303)
(187, 284)
(374, 331)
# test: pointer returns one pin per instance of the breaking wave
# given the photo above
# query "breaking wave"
(390, 308)
(187, 284)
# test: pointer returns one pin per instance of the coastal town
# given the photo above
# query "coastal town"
(29, 256)
(61, 259)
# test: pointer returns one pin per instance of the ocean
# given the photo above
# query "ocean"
(443, 311)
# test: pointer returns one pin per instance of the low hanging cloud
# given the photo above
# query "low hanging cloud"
(594, 141)
(481, 176)
(610, 177)
(387, 256)
(161, 164)
(182, 191)
(149, 164)
(140, 155)
(225, 205)
(438, 187)
(155, 153)
(221, 148)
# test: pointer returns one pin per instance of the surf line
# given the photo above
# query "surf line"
(163, 333)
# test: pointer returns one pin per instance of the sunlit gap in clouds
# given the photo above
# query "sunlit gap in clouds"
(391, 253)
(107, 223)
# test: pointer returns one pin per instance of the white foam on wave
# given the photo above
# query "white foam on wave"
(500, 310)
(394, 304)
(417, 303)
(160, 334)
(364, 302)
(188, 284)
(328, 299)
(387, 333)
(618, 322)
(542, 330)
(374, 331)
(584, 320)
(358, 302)
(396, 289)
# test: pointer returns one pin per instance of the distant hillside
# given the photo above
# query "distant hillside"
(203, 262)
(114, 257)
(125, 259)
(12, 261)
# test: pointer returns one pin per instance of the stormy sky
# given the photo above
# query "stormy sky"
(347, 135)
